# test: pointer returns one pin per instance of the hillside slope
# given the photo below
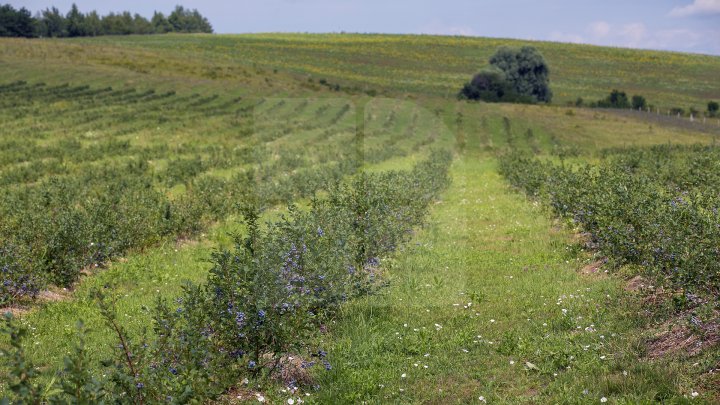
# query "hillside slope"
(422, 65)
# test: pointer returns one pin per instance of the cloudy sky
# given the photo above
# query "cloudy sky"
(681, 25)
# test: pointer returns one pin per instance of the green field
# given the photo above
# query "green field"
(125, 163)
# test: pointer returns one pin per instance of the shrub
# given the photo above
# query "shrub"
(649, 207)
(616, 99)
(262, 301)
(17, 280)
(677, 111)
(712, 108)
(639, 103)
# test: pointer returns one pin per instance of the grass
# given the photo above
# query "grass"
(395, 64)
(485, 244)
(476, 307)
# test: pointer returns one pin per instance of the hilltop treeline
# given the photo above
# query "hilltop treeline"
(52, 23)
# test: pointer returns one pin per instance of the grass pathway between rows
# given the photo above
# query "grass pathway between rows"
(487, 304)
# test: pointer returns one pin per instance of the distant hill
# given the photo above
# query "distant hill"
(389, 64)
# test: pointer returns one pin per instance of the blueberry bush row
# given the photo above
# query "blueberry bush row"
(263, 301)
(656, 208)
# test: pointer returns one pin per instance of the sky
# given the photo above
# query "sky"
(678, 25)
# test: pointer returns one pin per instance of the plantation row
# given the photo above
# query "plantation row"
(77, 196)
(263, 302)
(652, 207)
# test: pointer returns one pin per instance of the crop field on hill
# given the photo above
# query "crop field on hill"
(396, 64)
(317, 218)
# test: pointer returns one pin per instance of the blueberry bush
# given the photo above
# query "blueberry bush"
(90, 174)
(653, 207)
(264, 300)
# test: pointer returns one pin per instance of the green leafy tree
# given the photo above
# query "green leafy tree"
(93, 24)
(183, 20)
(160, 23)
(490, 85)
(53, 24)
(16, 23)
(514, 75)
(118, 24)
(141, 25)
(526, 70)
(712, 108)
(616, 99)
(639, 103)
(75, 22)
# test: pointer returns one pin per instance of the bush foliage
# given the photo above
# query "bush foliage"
(514, 75)
(655, 207)
(263, 300)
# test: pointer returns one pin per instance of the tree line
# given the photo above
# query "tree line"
(51, 23)
(620, 100)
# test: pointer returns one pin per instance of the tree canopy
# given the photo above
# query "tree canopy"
(514, 75)
(16, 23)
(52, 23)
(713, 108)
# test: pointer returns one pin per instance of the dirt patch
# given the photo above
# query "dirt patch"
(636, 283)
(240, 395)
(181, 243)
(594, 268)
(26, 305)
(54, 295)
(289, 372)
(15, 311)
(677, 338)
(292, 370)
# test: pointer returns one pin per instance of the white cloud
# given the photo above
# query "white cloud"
(563, 37)
(440, 28)
(698, 7)
(637, 35)
(633, 34)
(599, 29)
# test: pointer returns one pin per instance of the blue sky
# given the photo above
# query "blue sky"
(681, 25)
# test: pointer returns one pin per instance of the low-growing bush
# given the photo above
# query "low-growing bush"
(264, 300)
(639, 208)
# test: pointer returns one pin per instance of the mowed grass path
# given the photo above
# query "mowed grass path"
(487, 304)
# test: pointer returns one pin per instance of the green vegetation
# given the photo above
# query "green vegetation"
(16, 23)
(388, 64)
(632, 204)
(72, 203)
(639, 103)
(514, 75)
(490, 296)
(616, 99)
(52, 24)
(712, 108)
(262, 301)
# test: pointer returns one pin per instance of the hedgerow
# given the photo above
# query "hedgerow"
(263, 300)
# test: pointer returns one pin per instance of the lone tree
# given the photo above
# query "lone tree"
(515, 75)
(713, 107)
(490, 85)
